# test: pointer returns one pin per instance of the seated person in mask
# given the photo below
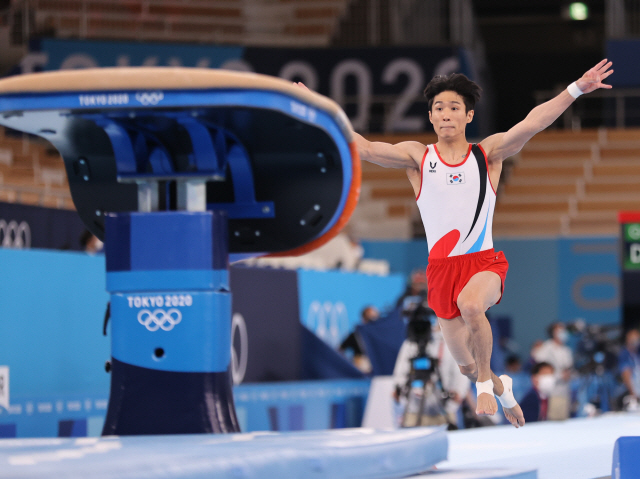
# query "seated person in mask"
(535, 403)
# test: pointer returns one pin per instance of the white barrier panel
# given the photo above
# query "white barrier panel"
(4, 387)
(378, 413)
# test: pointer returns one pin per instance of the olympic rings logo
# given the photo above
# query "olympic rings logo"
(14, 234)
(159, 319)
(150, 98)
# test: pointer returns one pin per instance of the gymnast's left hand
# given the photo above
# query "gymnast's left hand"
(593, 78)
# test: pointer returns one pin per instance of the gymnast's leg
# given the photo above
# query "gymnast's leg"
(470, 341)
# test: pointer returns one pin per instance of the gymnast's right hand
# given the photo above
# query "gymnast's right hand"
(301, 85)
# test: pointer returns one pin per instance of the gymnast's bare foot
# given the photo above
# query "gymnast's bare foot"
(487, 405)
(514, 415)
(512, 410)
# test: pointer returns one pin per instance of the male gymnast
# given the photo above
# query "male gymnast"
(455, 185)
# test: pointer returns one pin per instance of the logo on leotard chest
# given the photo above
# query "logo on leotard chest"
(455, 178)
(432, 168)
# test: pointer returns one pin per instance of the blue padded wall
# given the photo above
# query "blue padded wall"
(626, 458)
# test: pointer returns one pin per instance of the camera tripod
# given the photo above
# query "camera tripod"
(425, 396)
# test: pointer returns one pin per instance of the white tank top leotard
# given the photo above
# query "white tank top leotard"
(456, 203)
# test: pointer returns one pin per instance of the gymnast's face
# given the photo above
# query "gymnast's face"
(448, 115)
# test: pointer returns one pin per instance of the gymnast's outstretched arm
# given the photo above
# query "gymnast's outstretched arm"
(503, 145)
(407, 154)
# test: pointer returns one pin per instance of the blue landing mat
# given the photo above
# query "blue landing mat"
(345, 453)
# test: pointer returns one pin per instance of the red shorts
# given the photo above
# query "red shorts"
(446, 277)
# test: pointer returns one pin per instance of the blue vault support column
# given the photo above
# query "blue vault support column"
(167, 273)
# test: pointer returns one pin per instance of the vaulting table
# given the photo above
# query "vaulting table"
(178, 170)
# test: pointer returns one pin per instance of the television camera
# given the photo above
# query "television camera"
(423, 391)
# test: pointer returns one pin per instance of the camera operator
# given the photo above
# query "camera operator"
(445, 384)
(414, 293)
(555, 351)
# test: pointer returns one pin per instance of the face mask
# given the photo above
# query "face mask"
(546, 383)
(634, 345)
(562, 335)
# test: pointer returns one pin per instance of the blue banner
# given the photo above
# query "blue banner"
(589, 280)
(331, 302)
(302, 405)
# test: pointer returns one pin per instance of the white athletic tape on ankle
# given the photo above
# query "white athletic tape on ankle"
(574, 90)
(507, 400)
(484, 387)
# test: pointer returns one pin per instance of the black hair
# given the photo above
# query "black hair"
(551, 328)
(365, 309)
(538, 366)
(456, 82)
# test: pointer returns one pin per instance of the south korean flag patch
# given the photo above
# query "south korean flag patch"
(455, 178)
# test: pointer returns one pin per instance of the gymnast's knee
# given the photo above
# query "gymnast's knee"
(470, 370)
(472, 311)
